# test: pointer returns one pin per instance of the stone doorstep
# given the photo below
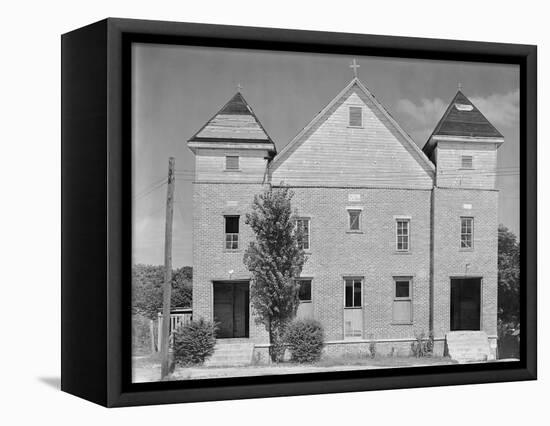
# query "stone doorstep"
(468, 346)
(231, 352)
(237, 346)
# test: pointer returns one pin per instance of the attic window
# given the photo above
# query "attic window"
(464, 107)
(355, 116)
(231, 162)
(467, 162)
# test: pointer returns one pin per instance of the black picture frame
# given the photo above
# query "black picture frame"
(96, 211)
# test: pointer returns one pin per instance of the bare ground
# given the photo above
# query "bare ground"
(147, 368)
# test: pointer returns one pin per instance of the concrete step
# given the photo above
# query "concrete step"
(468, 346)
(228, 354)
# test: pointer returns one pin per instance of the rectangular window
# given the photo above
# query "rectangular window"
(402, 234)
(231, 162)
(353, 292)
(304, 290)
(302, 226)
(354, 220)
(231, 232)
(467, 162)
(466, 232)
(402, 300)
(355, 116)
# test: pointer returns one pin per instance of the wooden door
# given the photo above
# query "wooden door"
(231, 312)
(465, 304)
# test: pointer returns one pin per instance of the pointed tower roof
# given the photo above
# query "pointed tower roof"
(235, 123)
(462, 119)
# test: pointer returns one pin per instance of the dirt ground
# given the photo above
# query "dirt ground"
(147, 368)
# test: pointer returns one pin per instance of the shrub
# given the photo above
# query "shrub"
(194, 342)
(421, 346)
(372, 346)
(305, 339)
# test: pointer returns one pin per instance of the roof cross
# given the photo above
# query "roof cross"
(239, 87)
(354, 65)
(459, 86)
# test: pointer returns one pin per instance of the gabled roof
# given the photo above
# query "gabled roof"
(235, 122)
(408, 142)
(462, 119)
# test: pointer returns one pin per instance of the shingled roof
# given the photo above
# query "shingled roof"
(462, 119)
(235, 122)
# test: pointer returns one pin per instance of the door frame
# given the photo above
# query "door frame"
(361, 308)
(247, 313)
(462, 277)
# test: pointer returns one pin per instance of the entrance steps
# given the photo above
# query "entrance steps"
(231, 353)
(468, 346)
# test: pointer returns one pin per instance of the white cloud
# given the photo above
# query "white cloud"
(424, 115)
(501, 110)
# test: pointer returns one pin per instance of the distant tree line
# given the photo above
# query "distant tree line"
(147, 282)
(147, 288)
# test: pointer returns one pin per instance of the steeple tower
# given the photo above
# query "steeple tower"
(233, 141)
(464, 146)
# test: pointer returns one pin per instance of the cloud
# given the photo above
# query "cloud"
(424, 115)
(501, 110)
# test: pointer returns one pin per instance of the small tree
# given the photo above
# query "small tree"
(508, 275)
(275, 258)
(508, 293)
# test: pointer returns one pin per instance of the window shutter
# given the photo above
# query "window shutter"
(232, 162)
(355, 116)
(467, 162)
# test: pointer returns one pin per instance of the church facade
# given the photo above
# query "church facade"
(399, 240)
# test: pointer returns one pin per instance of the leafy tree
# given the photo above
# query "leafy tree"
(508, 275)
(275, 258)
(147, 282)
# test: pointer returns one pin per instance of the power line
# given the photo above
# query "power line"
(158, 186)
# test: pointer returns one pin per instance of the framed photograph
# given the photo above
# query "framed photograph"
(254, 212)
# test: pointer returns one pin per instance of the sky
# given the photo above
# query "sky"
(177, 89)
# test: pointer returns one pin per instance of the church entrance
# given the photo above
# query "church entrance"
(465, 304)
(231, 308)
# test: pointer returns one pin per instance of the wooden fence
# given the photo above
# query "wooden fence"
(178, 316)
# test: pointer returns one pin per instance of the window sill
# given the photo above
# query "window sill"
(401, 323)
(465, 249)
(354, 232)
(402, 252)
(232, 250)
(232, 170)
(353, 307)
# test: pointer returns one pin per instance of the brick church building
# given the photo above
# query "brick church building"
(399, 240)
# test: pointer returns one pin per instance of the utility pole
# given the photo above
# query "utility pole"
(167, 291)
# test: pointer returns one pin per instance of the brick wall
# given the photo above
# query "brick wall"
(334, 252)
(211, 201)
(451, 261)
(371, 254)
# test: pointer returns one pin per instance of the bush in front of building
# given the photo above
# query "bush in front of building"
(305, 338)
(194, 342)
(423, 346)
